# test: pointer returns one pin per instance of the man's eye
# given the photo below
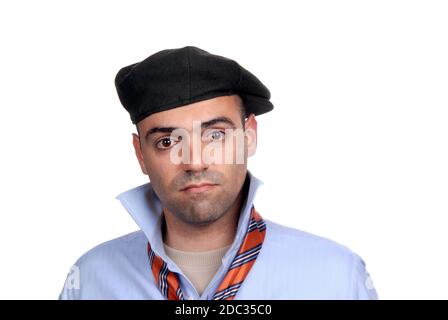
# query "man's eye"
(166, 143)
(215, 135)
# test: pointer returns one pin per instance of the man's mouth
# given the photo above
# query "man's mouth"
(200, 187)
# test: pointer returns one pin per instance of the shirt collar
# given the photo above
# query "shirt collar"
(145, 208)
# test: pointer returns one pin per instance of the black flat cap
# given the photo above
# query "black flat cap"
(176, 77)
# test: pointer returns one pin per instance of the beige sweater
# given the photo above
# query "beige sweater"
(199, 267)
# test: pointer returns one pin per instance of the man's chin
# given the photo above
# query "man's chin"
(201, 219)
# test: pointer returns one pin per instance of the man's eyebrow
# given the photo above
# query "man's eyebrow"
(159, 129)
(204, 124)
(214, 121)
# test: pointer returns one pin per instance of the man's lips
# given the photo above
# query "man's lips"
(201, 187)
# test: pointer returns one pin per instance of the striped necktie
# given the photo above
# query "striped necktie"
(168, 282)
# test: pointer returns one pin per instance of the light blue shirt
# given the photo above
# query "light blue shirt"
(292, 264)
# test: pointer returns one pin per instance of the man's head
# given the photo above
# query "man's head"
(176, 95)
(219, 117)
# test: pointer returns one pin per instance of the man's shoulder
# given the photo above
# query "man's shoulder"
(322, 268)
(94, 274)
(118, 248)
(298, 243)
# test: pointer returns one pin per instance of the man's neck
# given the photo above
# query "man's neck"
(218, 234)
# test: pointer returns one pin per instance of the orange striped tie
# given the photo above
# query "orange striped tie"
(168, 282)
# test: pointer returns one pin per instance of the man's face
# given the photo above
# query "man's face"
(203, 126)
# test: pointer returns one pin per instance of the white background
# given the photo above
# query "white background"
(355, 149)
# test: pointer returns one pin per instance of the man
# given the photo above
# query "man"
(201, 236)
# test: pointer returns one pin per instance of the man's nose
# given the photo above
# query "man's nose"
(196, 161)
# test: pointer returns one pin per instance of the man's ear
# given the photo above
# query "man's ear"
(138, 152)
(250, 127)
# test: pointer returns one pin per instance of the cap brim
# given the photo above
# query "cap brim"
(256, 105)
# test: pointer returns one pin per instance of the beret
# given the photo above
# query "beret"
(177, 77)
